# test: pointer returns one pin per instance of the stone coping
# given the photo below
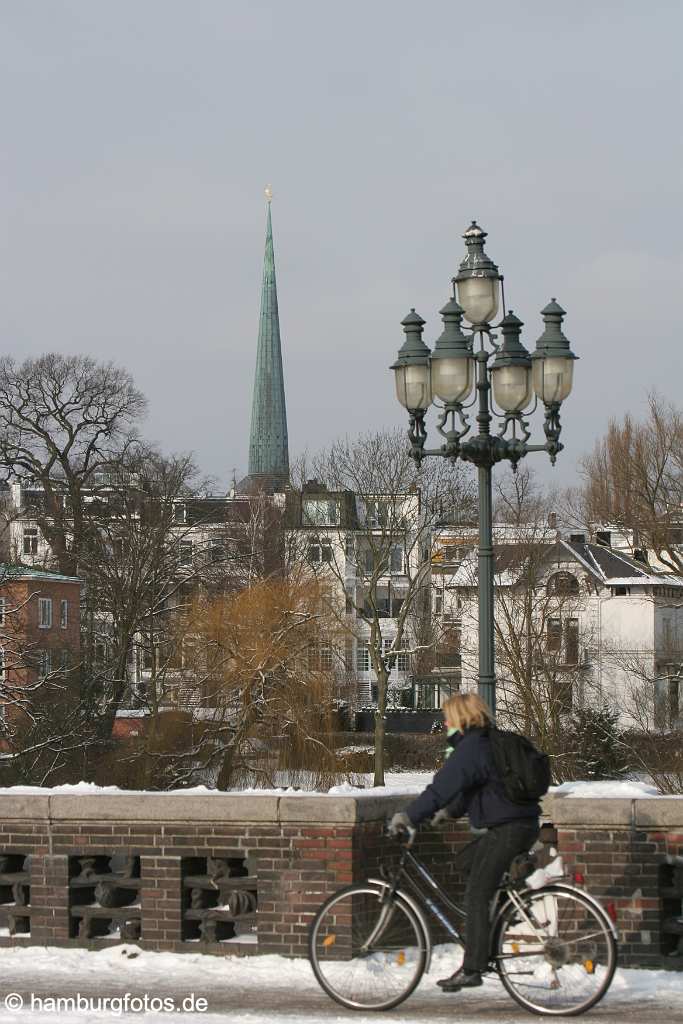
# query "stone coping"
(652, 812)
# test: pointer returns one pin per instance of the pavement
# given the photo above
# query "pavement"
(242, 993)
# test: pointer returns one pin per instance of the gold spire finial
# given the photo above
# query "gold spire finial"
(268, 192)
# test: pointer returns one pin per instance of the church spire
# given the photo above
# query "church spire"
(268, 448)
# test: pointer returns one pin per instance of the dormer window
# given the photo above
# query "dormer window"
(563, 584)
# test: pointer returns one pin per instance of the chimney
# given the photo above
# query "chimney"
(552, 520)
(640, 555)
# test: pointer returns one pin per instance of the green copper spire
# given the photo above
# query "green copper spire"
(268, 448)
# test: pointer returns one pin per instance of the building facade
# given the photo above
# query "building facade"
(39, 634)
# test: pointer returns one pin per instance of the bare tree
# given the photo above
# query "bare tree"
(65, 423)
(633, 479)
(375, 547)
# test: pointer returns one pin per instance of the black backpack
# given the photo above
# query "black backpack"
(524, 772)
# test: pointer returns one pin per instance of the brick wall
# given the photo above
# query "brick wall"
(164, 869)
(625, 849)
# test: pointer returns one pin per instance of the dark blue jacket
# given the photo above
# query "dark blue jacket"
(468, 784)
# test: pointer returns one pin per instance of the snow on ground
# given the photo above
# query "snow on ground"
(253, 989)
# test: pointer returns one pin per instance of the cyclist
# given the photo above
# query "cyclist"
(468, 784)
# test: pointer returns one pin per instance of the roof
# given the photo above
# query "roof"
(614, 568)
(268, 443)
(29, 572)
(608, 567)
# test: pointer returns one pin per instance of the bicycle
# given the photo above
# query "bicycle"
(554, 948)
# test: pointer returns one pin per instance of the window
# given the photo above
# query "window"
(553, 641)
(448, 650)
(185, 552)
(668, 692)
(2, 610)
(396, 562)
(563, 584)
(571, 642)
(63, 614)
(403, 659)
(362, 658)
(2, 664)
(452, 554)
(438, 604)
(44, 662)
(44, 612)
(30, 540)
(321, 657)
(376, 513)
(321, 512)
(318, 553)
(179, 511)
(621, 591)
(65, 659)
(216, 550)
(400, 661)
(562, 691)
(430, 695)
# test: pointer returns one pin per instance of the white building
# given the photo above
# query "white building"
(593, 622)
(369, 551)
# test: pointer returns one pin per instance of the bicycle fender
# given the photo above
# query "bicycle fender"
(586, 895)
(419, 914)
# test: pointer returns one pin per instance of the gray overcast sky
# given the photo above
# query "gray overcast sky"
(138, 136)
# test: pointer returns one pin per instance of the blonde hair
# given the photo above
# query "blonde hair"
(464, 710)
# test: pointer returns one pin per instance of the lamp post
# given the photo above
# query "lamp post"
(505, 375)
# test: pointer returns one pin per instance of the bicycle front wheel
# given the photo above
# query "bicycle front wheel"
(556, 953)
(368, 951)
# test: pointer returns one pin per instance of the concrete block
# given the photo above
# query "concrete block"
(328, 809)
(24, 805)
(123, 807)
(585, 811)
(659, 812)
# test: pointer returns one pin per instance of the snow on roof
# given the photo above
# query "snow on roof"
(20, 572)
(614, 568)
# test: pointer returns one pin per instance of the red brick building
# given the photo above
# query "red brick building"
(39, 630)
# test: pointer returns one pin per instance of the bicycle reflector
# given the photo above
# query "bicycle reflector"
(612, 911)
(578, 878)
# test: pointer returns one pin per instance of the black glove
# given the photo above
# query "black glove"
(401, 823)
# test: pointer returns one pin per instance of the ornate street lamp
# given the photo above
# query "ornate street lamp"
(446, 378)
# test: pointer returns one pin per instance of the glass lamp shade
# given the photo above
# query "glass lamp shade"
(511, 387)
(478, 296)
(452, 379)
(412, 386)
(553, 376)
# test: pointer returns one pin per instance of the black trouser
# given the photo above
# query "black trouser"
(488, 858)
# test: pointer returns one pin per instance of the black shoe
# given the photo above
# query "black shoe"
(461, 979)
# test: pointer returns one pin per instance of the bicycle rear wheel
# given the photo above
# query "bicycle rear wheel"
(556, 956)
(367, 952)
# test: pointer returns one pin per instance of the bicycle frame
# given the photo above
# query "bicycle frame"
(422, 900)
(510, 893)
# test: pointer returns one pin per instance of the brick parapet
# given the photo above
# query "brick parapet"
(304, 848)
